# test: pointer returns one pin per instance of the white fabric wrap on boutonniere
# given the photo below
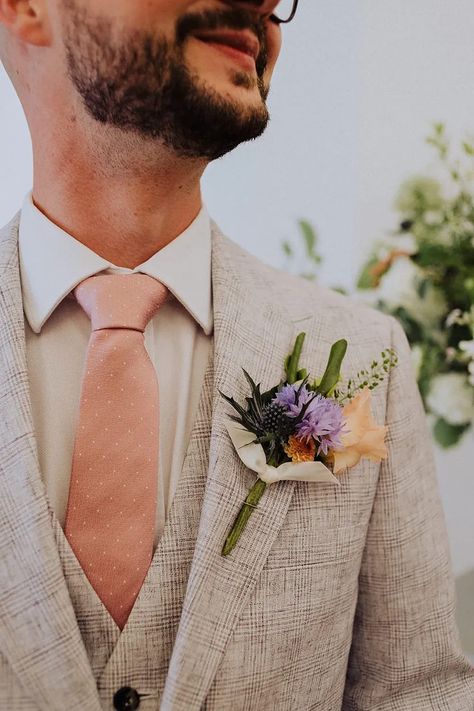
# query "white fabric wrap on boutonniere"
(253, 456)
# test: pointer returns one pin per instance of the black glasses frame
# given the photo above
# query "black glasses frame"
(278, 21)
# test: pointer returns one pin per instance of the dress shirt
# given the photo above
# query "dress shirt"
(178, 340)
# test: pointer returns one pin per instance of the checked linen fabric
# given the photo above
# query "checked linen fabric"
(111, 507)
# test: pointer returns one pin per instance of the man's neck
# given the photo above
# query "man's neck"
(123, 212)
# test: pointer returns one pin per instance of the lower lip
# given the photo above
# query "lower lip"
(242, 57)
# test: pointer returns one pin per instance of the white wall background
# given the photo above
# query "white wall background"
(358, 85)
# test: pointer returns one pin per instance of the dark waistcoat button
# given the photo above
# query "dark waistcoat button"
(126, 699)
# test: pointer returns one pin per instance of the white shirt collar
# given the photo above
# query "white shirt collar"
(52, 263)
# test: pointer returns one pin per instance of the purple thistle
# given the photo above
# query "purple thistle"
(323, 419)
(288, 397)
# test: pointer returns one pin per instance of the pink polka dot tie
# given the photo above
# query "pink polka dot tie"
(110, 517)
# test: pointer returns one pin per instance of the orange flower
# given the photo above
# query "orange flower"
(380, 268)
(364, 438)
(300, 451)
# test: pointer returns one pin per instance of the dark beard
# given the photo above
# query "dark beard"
(142, 84)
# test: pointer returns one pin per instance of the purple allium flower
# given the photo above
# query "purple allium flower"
(323, 420)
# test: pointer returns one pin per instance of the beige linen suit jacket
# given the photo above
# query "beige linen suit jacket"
(335, 598)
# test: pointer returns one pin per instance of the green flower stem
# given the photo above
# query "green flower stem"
(253, 497)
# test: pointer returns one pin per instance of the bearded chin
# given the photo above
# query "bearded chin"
(199, 122)
(144, 86)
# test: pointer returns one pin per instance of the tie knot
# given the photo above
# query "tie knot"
(120, 300)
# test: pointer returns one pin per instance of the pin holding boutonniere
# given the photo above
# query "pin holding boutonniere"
(301, 430)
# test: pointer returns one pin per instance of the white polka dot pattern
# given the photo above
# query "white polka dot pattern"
(113, 478)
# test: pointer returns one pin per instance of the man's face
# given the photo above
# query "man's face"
(149, 67)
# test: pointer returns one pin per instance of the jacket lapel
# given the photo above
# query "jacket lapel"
(38, 629)
(250, 331)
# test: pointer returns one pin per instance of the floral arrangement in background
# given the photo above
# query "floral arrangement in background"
(306, 429)
(423, 274)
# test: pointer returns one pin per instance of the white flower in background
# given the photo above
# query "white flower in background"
(454, 316)
(467, 347)
(398, 288)
(433, 217)
(417, 359)
(471, 372)
(404, 243)
(452, 398)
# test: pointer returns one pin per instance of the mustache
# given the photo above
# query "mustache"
(235, 18)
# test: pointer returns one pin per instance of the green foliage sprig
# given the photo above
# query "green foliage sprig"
(369, 377)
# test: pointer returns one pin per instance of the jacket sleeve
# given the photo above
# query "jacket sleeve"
(406, 653)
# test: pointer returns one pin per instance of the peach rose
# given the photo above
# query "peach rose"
(364, 437)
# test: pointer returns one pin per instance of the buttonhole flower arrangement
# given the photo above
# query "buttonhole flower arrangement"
(306, 430)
